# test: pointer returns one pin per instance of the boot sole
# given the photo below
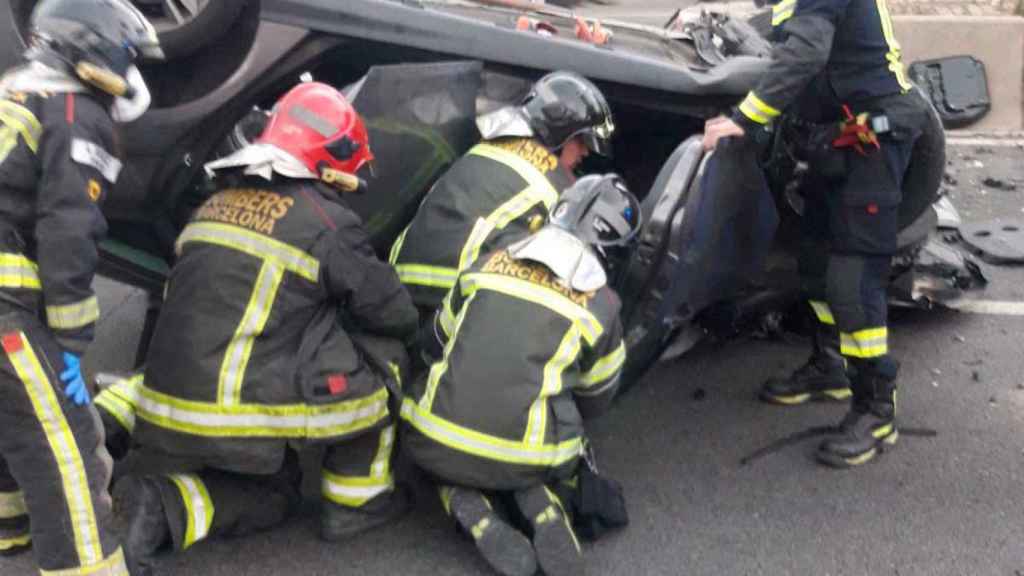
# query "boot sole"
(358, 523)
(846, 462)
(504, 548)
(556, 549)
(833, 395)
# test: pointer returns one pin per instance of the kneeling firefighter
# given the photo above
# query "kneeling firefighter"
(58, 162)
(836, 69)
(503, 185)
(531, 343)
(280, 328)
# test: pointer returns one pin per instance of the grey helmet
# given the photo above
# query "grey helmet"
(98, 40)
(559, 106)
(594, 213)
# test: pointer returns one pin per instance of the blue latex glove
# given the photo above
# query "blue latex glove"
(75, 388)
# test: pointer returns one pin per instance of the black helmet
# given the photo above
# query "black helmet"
(562, 105)
(97, 39)
(599, 210)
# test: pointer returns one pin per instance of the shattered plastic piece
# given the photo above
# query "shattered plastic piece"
(998, 241)
(977, 164)
(975, 376)
(947, 213)
(998, 184)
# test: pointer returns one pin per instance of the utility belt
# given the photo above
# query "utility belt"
(824, 146)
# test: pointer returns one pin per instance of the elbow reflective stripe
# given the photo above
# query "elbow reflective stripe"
(113, 565)
(486, 446)
(425, 275)
(236, 358)
(824, 312)
(212, 420)
(869, 343)
(22, 119)
(566, 353)
(17, 271)
(72, 316)
(756, 110)
(199, 508)
(894, 55)
(606, 367)
(258, 245)
(525, 290)
(63, 446)
(120, 401)
(354, 491)
(12, 505)
(437, 369)
(783, 11)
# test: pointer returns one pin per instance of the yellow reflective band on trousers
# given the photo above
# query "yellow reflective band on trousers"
(23, 121)
(12, 505)
(355, 491)
(757, 110)
(289, 257)
(18, 272)
(567, 351)
(823, 312)
(199, 508)
(524, 290)
(213, 420)
(74, 482)
(113, 565)
(120, 401)
(437, 369)
(486, 446)
(236, 358)
(605, 367)
(425, 275)
(894, 55)
(15, 542)
(869, 343)
(73, 316)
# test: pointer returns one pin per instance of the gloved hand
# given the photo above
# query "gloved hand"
(75, 388)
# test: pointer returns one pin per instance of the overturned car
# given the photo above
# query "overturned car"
(421, 71)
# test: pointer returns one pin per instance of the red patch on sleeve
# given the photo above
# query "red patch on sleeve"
(69, 108)
(872, 209)
(337, 384)
(12, 342)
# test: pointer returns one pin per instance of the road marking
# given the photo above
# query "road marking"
(993, 307)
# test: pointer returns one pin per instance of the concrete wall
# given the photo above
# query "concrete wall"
(998, 41)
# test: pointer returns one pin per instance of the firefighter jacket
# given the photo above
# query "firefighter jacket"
(257, 342)
(524, 359)
(56, 164)
(826, 53)
(490, 196)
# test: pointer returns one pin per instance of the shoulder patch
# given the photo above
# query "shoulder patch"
(91, 154)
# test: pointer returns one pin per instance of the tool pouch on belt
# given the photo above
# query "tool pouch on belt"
(817, 150)
(598, 503)
(328, 366)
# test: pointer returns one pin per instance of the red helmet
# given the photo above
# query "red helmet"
(317, 125)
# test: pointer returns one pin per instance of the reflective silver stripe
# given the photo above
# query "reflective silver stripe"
(236, 358)
(198, 507)
(353, 492)
(17, 271)
(72, 316)
(12, 505)
(113, 565)
(291, 258)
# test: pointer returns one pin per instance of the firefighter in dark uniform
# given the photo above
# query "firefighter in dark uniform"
(280, 328)
(836, 63)
(503, 185)
(530, 344)
(58, 161)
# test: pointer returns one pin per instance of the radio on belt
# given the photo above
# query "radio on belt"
(880, 124)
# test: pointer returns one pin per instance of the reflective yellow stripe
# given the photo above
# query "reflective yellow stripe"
(258, 245)
(396, 248)
(72, 316)
(15, 542)
(8, 140)
(565, 517)
(425, 275)
(541, 186)
(895, 51)
(471, 250)
(566, 353)
(199, 508)
(868, 343)
(780, 16)
(120, 401)
(757, 110)
(17, 271)
(606, 367)
(438, 369)
(213, 420)
(236, 358)
(74, 481)
(823, 311)
(487, 446)
(12, 505)
(354, 491)
(24, 121)
(113, 565)
(446, 316)
(445, 492)
(531, 292)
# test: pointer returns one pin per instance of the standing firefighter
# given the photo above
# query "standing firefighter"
(264, 343)
(532, 343)
(57, 160)
(836, 63)
(503, 185)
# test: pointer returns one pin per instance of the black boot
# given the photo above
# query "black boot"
(558, 550)
(339, 523)
(147, 530)
(503, 547)
(870, 425)
(822, 377)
